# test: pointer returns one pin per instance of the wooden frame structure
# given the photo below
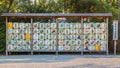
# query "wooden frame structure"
(80, 16)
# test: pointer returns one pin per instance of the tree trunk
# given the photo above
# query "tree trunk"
(119, 9)
(10, 4)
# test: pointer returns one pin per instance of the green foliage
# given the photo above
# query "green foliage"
(2, 37)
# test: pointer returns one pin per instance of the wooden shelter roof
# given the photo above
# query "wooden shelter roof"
(56, 15)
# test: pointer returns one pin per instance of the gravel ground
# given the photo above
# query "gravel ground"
(60, 61)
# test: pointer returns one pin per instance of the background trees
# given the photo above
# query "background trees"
(59, 6)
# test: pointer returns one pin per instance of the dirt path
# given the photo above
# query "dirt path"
(70, 62)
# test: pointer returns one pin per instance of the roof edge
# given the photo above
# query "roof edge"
(56, 14)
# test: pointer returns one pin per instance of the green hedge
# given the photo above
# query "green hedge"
(2, 37)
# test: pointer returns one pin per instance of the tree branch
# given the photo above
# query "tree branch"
(10, 4)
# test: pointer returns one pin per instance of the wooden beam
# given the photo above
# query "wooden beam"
(107, 36)
(82, 43)
(31, 46)
(57, 26)
(6, 36)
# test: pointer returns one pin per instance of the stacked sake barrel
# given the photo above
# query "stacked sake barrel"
(44, 36)
(95, 36)
(18, 36)
(69, 37)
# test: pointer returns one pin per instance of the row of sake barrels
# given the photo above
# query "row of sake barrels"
(18, 25)
(35, 42)
(95, 25)
(19, 47)
(61, 31)
(19, 36)
(70, 25)
(95, 36)
(96, 47)
(93, 42)
(69, 31)
(53, 25)
(93, 30)
(54, 31)
(19, 31)
(53, 48)
(47, 36)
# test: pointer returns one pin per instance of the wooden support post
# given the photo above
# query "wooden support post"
(115, 47)
(82, 43)
(31, 46)
(107, 36)
(6, 36)
(57, 36)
